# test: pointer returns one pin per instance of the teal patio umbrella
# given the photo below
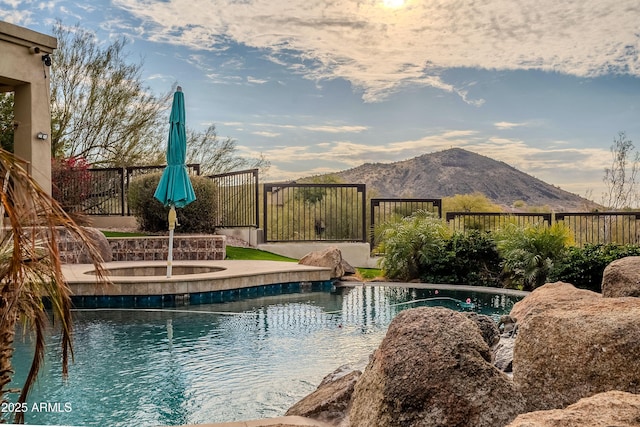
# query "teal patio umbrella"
(175, 189)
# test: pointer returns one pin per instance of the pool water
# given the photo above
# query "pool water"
(238, 360)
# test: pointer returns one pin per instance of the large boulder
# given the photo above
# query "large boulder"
(433, 368)
(330, 402)
(614, 408)
(72, 251)
(621, 278)
(547, 297)
(330, 257)
(488, 328)
(577, 349)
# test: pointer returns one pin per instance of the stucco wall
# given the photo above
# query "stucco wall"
(22, 71)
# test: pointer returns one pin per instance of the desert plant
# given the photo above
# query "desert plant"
(529, 252)
(584, 266)
(409, 243)
(200, 216)
(474, 202)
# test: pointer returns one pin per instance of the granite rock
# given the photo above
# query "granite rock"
(613, 408)
(330, 402)
(576, 349)
(621, 278)
(433, 368)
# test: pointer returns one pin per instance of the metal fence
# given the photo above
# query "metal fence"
(586, 227)
(312, 212)
(238, 197)
(383, 210)
(602, 227)
(107, 195)
(491, 221)
(105, 189)
(330, 212)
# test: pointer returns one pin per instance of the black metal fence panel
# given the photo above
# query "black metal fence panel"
(107, 194)
(602, 227)
(238, 196)
(108, 188)
(383, 210)
(491, 221)
(313, 212)
(586, 227)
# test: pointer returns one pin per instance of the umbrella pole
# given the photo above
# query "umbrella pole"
(172, 226)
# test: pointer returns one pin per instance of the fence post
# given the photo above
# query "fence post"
(123, 194)
(257, 197)
(372, 221)
(265, 189)
(364, 213)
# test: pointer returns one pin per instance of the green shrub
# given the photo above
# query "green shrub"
(472, 258)
(530, 252)
(584, 267)
(199, 216)
(421, 246)
(409, 244)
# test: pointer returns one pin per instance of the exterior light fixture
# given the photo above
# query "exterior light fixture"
(43, 136)
(46, 59)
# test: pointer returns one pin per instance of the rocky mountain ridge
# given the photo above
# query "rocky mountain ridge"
(458, 171)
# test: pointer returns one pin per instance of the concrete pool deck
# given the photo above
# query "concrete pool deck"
(225, 275)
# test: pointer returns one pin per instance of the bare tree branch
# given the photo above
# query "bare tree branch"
(100, 109)
(217, 155)
(621, 178)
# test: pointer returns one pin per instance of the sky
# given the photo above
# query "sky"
(319, 86)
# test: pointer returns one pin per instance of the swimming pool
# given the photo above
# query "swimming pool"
(235, 360)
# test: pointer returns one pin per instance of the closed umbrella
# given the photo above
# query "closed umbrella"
(175, 189)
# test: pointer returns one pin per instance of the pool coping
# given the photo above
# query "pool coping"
(443, 286)
(236, 274)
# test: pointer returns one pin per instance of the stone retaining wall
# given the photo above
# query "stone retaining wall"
(194, 248)
(150, 248)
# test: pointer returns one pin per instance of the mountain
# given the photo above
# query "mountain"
(457, 171)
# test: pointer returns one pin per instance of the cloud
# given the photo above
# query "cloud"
(267, 134)
(16, 17)
(322, 128)
(334, 129)
(254, 80)
(508, 125)
(381, 51)
(574, 169)
(345, 153)
(11, 3)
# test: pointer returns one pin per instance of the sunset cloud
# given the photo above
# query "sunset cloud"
(381, 51)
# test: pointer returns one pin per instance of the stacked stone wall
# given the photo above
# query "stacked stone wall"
(185, 248)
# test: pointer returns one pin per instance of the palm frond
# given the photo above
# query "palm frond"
(30, 267)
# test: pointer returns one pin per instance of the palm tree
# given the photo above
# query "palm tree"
(30, 270)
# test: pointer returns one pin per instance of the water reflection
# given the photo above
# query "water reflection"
(221, 362)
